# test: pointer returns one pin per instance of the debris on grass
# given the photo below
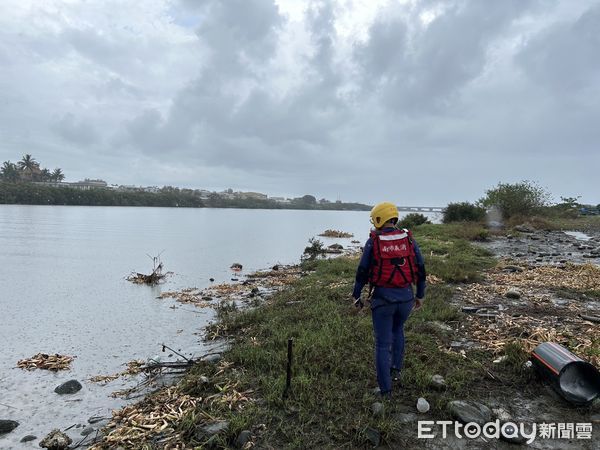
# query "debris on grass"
(44, 361)
(157, 415)
(534, 317)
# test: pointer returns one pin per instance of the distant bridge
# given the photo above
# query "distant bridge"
(420, 209)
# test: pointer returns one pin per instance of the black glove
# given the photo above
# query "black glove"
(358, 303)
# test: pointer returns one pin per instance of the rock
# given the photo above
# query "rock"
(87, 430)
(373, 436)
(236, 266)
(70, 387)
(438, 382)
(336, 247)
(275, 267)
(510, 433)
(254, 292)
(595, 418)
(96, 419)
(524, 228)
(470, 309)
(513, 293)
(29, 438)
(470, 412)
(211, 279)
(56, 440)
(214, 358)
(204, 379)
(156, 359)
(377, 409)
(6, 426)
(512, 269)
(406, 417)
(243, 438)
(376, 391)
(441, 326)
(502, 415)
(501, 359)
(422, 405)
(212, 429)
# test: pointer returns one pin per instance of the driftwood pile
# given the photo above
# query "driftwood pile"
(135, 425)
(263, 282)
(336, 234)
(157, 276)
(157, 417)
(133, 368)
(44, 361)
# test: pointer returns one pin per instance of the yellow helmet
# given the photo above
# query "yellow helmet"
(382, 212)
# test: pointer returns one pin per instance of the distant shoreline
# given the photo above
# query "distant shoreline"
(31, 194)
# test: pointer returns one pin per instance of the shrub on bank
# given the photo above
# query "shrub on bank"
(413, 220)
(463, 212)
(525, 198)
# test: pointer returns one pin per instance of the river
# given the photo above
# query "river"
(64, 291)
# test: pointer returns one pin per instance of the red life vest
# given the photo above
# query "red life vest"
(394, 263)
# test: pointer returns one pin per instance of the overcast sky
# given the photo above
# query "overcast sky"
(417, 102)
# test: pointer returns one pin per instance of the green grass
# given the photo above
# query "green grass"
(329, 404)
(448, 253)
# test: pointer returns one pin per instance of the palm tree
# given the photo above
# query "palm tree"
(57, 175)
(9, 171)
(45, 175)
(28, 165)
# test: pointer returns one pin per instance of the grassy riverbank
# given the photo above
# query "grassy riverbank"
(330, 402)
(333, 376)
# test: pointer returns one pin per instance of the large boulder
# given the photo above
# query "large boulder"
(6, 426)
(70, 387)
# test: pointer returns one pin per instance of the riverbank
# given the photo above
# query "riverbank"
(480, 352)
(23, 193)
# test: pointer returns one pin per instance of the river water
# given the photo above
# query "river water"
(64, 291)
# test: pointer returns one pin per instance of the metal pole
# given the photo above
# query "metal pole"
(288, 380)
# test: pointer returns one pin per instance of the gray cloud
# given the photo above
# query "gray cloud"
(75, 130)
(443, 99)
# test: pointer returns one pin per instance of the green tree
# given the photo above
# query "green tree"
(28, 166)
(9, 172)
(525, 198)
(57, 175)
(45, 175)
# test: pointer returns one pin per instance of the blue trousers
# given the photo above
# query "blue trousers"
(388, 325)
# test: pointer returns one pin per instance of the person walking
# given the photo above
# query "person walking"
(391, 263)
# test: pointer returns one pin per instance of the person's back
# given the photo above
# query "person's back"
(391, 263)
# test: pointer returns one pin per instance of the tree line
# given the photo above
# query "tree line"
(28, 169)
